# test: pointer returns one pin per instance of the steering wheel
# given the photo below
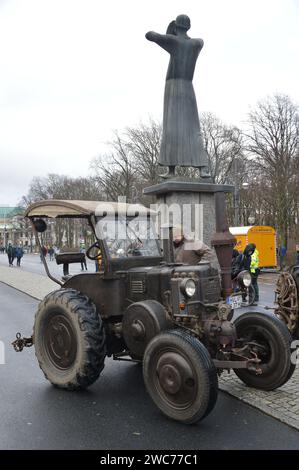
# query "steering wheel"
(98, 255)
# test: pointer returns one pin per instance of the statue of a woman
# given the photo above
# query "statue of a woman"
(182, 143)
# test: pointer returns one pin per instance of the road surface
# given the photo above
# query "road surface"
(116, 412)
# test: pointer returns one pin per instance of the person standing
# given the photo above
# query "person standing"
(10, 254)
(19, 255)
(282, 254)
(242, 262)
(43, 253)
(83, 263)
(51, 253)
(254, 271)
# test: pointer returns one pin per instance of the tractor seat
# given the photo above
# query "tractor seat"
(68, 258)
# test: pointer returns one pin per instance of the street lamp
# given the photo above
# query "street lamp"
(237, 202)
(236, 205)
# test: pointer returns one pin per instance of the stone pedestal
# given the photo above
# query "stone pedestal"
(188, 203)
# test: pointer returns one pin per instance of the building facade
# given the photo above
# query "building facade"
(14, 228)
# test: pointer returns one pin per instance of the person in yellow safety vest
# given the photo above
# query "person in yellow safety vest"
(254, 271)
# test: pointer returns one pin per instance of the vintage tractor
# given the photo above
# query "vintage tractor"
(287, 299)
(141, 306)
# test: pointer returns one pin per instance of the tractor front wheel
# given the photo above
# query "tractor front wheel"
(180, 376)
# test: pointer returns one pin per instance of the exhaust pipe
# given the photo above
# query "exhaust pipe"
(223, 242)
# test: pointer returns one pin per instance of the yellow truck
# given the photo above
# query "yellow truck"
(264, 238)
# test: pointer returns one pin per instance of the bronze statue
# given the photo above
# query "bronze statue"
(182, 144)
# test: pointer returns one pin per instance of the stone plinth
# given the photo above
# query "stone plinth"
(196, 203)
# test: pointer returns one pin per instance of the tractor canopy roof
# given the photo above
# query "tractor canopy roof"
(71, 208)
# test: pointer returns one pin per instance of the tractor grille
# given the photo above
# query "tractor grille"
(211, 289)
(137, 286)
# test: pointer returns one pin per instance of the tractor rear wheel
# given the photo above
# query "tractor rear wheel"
(272, 343)
(69, 339)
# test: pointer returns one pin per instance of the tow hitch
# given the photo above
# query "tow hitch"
(20, 343)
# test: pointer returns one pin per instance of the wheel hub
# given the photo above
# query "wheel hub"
(174, 374)
(60, 342)
(170, 378)
(138, 330)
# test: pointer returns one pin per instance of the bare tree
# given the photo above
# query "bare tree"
(144, 144)
(224, 146)
(56, 186)
(132, 162)
(273, 142)
(115, 172)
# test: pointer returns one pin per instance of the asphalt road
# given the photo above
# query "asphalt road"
(116, 412)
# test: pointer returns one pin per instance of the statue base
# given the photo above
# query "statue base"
(188, 203)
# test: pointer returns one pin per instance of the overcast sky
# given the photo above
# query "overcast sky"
(71, 71)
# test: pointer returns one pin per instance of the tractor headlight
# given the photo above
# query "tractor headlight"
(244, 278)
(188, 287)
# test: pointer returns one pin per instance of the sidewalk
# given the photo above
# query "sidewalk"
(282, 404)
(35, 285)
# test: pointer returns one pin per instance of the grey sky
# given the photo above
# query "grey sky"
(71, 71)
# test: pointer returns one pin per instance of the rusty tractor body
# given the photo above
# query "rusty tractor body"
(142, 306)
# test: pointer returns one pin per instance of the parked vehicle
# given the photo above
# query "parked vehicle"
(142, 307)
